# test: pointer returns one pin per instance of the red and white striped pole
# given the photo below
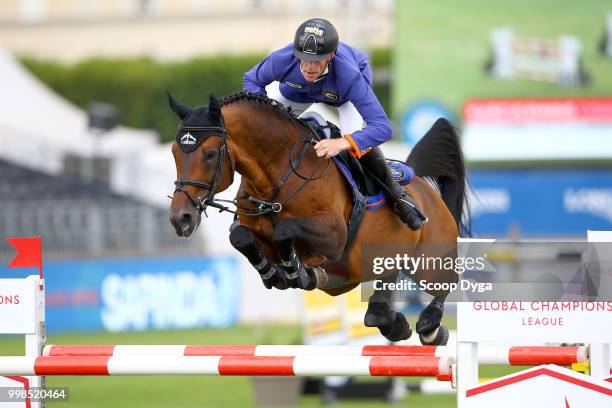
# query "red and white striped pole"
(242, 350)
(419, 366)
(512, 355)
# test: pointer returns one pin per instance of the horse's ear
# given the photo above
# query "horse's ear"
(180, 110)
(214, 111)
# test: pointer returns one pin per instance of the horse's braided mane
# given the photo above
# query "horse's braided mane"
(262, 100)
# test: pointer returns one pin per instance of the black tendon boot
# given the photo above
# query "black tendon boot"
(405, 205)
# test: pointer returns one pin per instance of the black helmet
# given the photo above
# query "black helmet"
(315, 39)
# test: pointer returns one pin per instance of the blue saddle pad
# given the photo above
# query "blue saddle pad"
(403, 173)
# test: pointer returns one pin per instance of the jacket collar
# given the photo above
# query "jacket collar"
(323, 75)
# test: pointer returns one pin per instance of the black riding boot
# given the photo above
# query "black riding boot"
(405, 205)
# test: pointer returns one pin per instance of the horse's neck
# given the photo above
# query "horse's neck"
(254, 176)
(260, 149)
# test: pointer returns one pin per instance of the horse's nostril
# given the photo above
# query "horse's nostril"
(186, 221)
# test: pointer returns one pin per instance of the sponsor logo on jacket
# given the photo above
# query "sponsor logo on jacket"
(292, 85)
(331, 95)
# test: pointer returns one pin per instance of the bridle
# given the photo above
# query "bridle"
(200, 205)
(261, 206)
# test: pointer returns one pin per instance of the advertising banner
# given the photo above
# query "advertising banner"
(539, 202)
(124, 294)
(537, 129)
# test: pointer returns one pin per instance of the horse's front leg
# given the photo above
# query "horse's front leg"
(243, 239)
(311, 234)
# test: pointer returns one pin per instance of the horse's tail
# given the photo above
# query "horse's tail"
(438, 155)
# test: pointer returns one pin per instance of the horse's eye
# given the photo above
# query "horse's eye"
(210, 155)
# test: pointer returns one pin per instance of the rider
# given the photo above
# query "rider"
(318, 68)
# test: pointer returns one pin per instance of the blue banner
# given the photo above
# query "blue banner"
(141, 293)
(540, 203)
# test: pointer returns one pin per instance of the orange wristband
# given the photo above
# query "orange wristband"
(355, 152)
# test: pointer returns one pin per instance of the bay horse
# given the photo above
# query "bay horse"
(293, 207)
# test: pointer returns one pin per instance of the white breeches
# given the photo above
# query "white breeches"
(350, 120)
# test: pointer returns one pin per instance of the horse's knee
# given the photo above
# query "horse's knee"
(242, 237)
(285, 232)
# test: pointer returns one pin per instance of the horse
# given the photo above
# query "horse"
(293, 208)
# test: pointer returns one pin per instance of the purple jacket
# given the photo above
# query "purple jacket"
(348, 79)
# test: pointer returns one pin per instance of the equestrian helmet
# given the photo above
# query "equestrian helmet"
(315, 39)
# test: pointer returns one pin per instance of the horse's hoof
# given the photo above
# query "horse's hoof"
(378, 314)
(280, 282)
(269, 276)
(267, 283)
(439, 337)
(430, 318)
(397, 331)
(303, 280)
(317, 277)
(297, 278)
(292, 279)
(273, 277)
(281, 285)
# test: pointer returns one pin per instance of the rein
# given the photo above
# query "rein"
(261, 206)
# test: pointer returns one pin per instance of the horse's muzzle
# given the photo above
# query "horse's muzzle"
(185, 221)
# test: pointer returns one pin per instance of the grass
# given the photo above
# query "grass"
(441, 48)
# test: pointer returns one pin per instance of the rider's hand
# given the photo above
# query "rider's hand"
(330, 147)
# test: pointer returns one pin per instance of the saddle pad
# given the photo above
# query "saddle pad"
(402, 172)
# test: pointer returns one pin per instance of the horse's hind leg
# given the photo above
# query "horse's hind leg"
(243, 239)
(431, 332)
(391, 324)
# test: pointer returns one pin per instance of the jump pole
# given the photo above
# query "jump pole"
(414, 366)
(507, 355)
